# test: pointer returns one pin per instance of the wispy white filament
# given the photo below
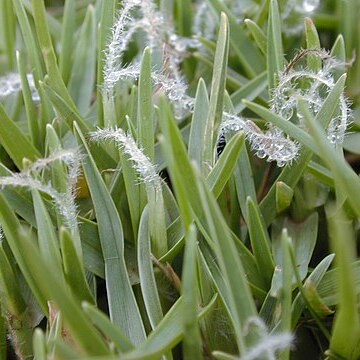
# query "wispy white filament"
(268, 344)
(144, 16)
(29, 178)
(142, 164)
(272, 144)
(319, 84)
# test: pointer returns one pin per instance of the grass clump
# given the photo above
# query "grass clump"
(179, 179)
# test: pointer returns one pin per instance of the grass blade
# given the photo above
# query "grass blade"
(346, 329)
(275, 57)
(146, 273)
(15, 142)
(145, 126)
(198, 124)
(123, 308)
(102, 322)
(192, 340)
(260, 241)
(217, 92)
(82, 78)
(167, 334)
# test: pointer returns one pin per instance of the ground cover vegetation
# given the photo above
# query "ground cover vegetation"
(179, 179)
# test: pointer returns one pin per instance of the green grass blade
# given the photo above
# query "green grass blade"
(15, 142)
(39, 345)
(284, 195)
(224, 167)
(312, 42)
(249, 91)
(251, 59)
(68, 116)
(29, 40)
(48, 52)
(106, 21)
(244, 181)
(344, 176)
(135, 192)
(303, 235)
(123, 308)
(8, 21)
(275, 57)
(167, 334)
(198, 124)
(67, 39)
(82, 79)
(11, 225)
(102, 322)
(12, 298)
(35, 132)
(145, 125)
(73, 268)
(346, 329)
(181, 173)
(47, 241)
(286, 293)
(258, 35)
(184, 180)
(241, 303)
(260, 241)
(217, 92)
(146, 273)
(45, 276)
(192, 343)
(314, 278)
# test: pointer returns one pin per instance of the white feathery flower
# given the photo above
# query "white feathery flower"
(142, 164)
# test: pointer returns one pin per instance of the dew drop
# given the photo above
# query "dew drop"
(310, 5)
(261, 154)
